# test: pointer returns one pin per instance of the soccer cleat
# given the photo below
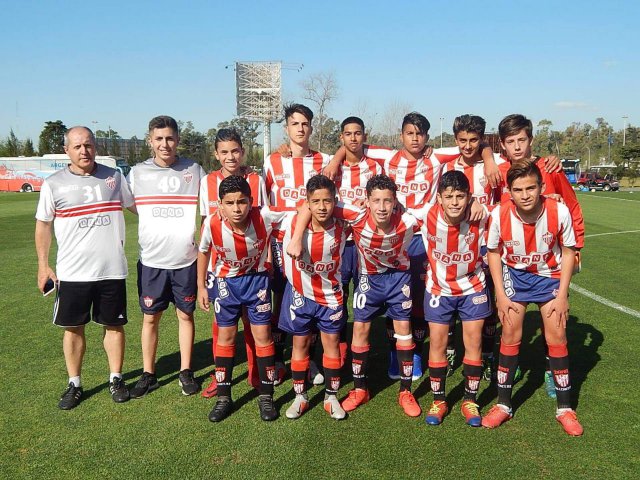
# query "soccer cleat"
(470, 413)
(451, 360)
(188, 382)
(221, 410)
(356, 397)
(212, 390)
(518, 375)
(147, 383)
(496, 416)
(314, 374)
(417, 366)
(118, 390)
(569, 421)
(408, 403)
(549, 384)
(393, 372)
(437, 412)
(267, 408)
(488, 373)
(298, 407)
(70, 398)
(281, 371)
(332, 407)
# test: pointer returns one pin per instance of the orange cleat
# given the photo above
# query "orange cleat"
(569, 421)
(496, 416)
(471, 413)
(212, 390)
(356, 397)
(437, 412)
(408, 403)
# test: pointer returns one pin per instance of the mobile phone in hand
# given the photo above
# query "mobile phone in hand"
(49, 287)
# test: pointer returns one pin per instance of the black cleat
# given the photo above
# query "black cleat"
(70, 398)
(268, 410)
(222, 409)
(118, 389)
(187, 382)
(147, 383)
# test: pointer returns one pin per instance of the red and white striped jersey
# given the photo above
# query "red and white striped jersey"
(534, 247)
(555, 182)
(167, 201)
(351, 180)
(210, 185)
(480, 188)
(316, 274)
(239, 253)
(86, 211)
(417, 180)
(453, 252)
(379, 252)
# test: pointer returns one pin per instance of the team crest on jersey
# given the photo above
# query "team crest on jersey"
(271, 373)
(356, 367)
(502, 376)
(483, 181)
(395, 240)
(220, 374)
(298, 386)
(407, 369)
(188, 176)
(469, 238)
(262, 294)
(562, 379)
(148, 301)
(111, 183)
(547, 238)
(406, 290)
(335, 383)
(334, 248)
(435, 385)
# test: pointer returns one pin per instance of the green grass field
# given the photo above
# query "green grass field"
(167, 435)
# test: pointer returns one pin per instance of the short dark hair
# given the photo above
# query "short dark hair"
(417, 120)
(512, 124)
(521, 169)
(381, 182)
(469, 123)
(350, 120)
(320, 182)
(227, 135)
(292, 108)
(455, 180)
(233, 184)
(164, 121)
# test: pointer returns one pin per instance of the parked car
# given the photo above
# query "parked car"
(594, 181)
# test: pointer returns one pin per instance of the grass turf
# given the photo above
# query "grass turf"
(167, 435)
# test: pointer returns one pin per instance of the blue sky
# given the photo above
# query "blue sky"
(121, 63)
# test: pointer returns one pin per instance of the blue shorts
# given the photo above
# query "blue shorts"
(229, 295)
(279, 280)
(349, 268)
(301, 316)
(441, 309)
(526, 287)
(388, 293)
(158, 287)
(418, 266)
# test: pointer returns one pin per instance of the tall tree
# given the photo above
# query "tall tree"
(12, 146)
(27, 148)
(321, 89)
(51, 138)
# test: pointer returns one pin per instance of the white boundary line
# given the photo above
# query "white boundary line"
(604, 301)
(610, 198)
(610, 233)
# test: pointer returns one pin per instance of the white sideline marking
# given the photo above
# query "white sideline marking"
(610, 233)
(604, 301)
(611, 198)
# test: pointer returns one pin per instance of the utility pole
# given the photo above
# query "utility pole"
(441, 119)
(624, 130)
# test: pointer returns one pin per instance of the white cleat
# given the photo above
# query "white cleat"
(315, 377)
(332, 407)
(298, 407)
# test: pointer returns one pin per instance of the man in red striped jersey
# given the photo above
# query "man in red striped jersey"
(84, 203)
(313, 294)
(285, 179)
(165, 188)
(240, 283)
(455, 286)
(230, 153)
(531, 256)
